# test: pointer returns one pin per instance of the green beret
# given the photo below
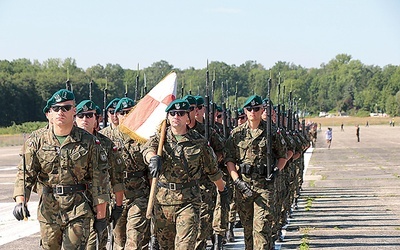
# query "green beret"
(98, 110)
(48, 105)
(178, 104)
(62, 95)
(124, 103)
(190, 99)
(113, 103)
(84, 106)
(265, 102)
(240, 112)
(199, 100)
(218, 108)
(253, 100)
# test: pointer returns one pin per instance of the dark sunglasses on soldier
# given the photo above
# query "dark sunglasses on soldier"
(111, 111)
(256, 109)
(87, 115)
(179, 113)
(124, 112)
(219, 116)
(242, 117)
(64, 108)
(200, 106)
(191, 108)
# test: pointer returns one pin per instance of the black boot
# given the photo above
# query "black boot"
(217, 242)
(230, 236)
(238, 224)
(153, 243)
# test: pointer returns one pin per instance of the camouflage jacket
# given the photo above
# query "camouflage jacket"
(115, 161)
(183, 161)
(76, 161)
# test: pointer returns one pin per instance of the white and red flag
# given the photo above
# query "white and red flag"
(149, 112)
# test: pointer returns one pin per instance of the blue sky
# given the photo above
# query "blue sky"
(187, 33)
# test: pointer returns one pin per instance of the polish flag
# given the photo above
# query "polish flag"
(149, 112)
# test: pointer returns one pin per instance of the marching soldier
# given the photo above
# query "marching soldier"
(114, 122)
(87, 118)
(178, 199)
(63, 163)
(247, 147)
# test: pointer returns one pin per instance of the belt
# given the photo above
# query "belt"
(177, 186)
(64, 190)
(137, 174)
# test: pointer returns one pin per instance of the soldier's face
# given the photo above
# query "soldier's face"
(242, 119)
(122, 114)
(178, 118)
(87, 121)
(254, 113)
(113, 117)
(200, 112)
(193, 112)
(63, 113)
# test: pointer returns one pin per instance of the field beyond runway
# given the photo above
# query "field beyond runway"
(350, 198)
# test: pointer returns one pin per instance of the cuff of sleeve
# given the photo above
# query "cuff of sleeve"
(216, 176)
(101, 199)
(118, 187)
(20, 192)
(229, 160)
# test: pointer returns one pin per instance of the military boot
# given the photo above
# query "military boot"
(230, 236)
(217, 242)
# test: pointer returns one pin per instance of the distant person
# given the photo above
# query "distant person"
(320, 127)
(367, 125)
(358, 133)
(328, 136)
(341, 127)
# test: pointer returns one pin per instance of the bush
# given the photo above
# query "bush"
(362, 113)
(26, 127)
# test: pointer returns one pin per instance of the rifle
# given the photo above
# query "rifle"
(105, 116)
(278, 107)
(145, 84)
(207, 108)
(236, 107)
(213, 107)
(24, 181)
(68, 85)
(224, 114)
(137, 85)
(289, 113)
(90, 89)
(269, 133)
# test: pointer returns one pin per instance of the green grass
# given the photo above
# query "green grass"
(309, 203)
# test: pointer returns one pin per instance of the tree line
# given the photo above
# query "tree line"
(341, 85)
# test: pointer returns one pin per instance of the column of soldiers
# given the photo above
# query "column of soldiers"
(90, 180)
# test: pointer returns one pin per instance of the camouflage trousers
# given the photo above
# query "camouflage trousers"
(257, 217)
(132, 230)
(176, 226)
(232, 207)
(280, 194)
(220, 221)
(208, 197)
(73, 235)
(92, 241)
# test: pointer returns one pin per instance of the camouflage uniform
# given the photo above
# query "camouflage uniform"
(132, 230)
(115, 171)
(64, 215)
(178, 199)
(248, 149)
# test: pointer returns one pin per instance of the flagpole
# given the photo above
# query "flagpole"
(150, 205)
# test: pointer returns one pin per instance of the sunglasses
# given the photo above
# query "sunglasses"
(191, 108)
(124, 112)
(200, 106)
(219, 116)
(64, 108)
(256, 109)
(179, 113)
(242, 117)
(111, 111)
(87, 115)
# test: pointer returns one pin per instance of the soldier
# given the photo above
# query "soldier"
(242, 118)
(87, 118)
(247, 147)
(114, 122)
(200, 109)
(178, 199)
(63, 162)
(132, 230)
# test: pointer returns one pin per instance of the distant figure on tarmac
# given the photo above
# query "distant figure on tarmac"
(358, 133)
(367, 125)
(328, 136)
(341, 127)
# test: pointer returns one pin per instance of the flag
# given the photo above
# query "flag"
(149, 112)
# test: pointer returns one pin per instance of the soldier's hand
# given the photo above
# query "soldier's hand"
(224, 198)
(100, 225)
(19, 211)
(243, 187)
(116, 213)
(155, 166)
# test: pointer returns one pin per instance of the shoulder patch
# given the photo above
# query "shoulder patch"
(103, 157)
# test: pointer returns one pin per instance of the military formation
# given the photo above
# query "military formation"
(213, 171)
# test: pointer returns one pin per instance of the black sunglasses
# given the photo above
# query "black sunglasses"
(200, 106)
(256, 109)
(179, 113)
(219, 116)
(191, 108)
(241, 117)
(124, 112)
(111, 111)
(87, 115)
(64, 108)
